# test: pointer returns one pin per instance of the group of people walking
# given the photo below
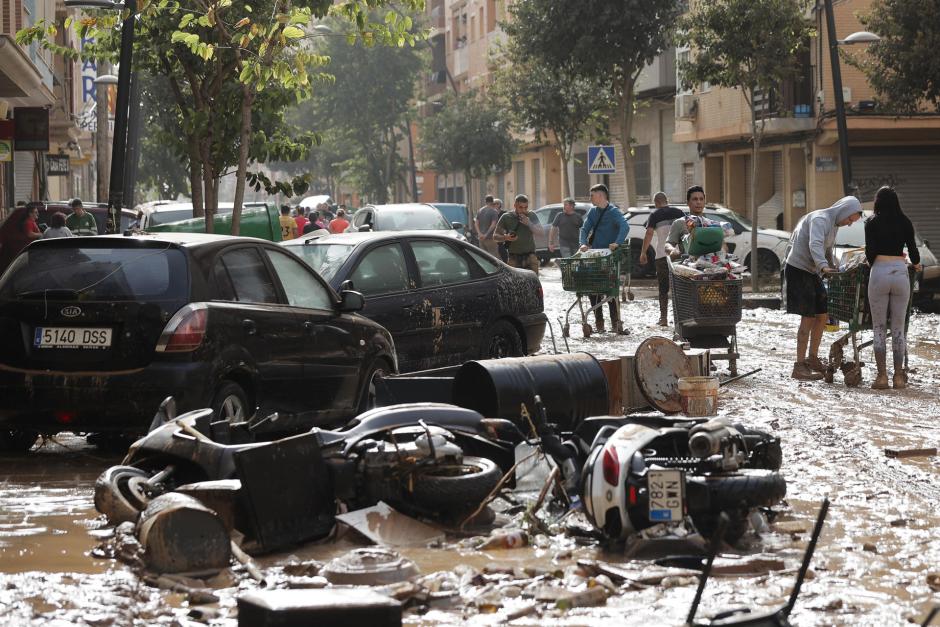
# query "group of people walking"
(304, 222)
(810, 260)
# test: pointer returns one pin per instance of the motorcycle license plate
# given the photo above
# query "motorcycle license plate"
(666, 495)
(71, 337)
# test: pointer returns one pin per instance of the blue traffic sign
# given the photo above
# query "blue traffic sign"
(601, 160)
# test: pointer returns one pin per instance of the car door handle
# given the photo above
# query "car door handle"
(249, 326)
(309, 328)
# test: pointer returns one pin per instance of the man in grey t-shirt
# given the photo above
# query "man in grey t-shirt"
(566, 229)
(485, 223)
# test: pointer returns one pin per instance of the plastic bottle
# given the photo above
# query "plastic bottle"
(508, 539)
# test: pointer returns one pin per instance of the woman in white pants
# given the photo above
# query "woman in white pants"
(889, 288)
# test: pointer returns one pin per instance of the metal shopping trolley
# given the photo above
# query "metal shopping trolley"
(848, 302)
(594, 275)
(707, 312)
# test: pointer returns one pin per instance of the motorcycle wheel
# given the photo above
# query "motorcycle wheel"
(455, 487)
(119, 495)
(735, 493)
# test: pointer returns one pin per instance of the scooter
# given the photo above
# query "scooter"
(636, 476)
(380, 455)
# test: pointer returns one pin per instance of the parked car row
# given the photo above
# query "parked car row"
(98, 330)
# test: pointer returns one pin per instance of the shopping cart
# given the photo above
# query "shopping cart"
(706, 314)
(600, 276)
(848, 302)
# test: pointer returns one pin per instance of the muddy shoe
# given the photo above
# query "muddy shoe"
(802, 372)
(599, 325)
(900, 380)
(815, 364)
(880, 382)
(663, 322)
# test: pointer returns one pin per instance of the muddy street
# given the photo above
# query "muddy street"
(876, 562)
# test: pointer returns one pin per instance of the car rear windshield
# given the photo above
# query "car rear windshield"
(98, 274)
(325, 258)
(412, 220)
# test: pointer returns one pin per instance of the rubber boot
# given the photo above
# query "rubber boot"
(881, 381)
(900, 377)
(663, 310)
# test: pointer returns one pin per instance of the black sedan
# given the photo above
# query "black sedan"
(98, 330)
(443, 300)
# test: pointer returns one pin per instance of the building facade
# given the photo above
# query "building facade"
(51, 156)
(799, 167)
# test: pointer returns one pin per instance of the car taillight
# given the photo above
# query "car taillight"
(611, 466)
(185, 330)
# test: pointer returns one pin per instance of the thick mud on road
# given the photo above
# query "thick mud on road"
(877, 559)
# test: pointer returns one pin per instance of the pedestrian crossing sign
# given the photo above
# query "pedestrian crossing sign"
(601, 160)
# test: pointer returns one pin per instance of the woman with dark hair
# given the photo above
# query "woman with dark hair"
(57, 227)
(889, 286)
(17, 231)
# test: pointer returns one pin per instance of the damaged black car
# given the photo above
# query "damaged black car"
(97, 331)
(444, 301)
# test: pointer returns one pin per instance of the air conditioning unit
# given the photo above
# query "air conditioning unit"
(686, 106)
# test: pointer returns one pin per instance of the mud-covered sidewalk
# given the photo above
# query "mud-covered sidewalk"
(877, 559)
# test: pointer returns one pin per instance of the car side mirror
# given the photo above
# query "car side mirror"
(738, 229)
(365, 228)
(346, 286)
(351, 301)
(457, 225)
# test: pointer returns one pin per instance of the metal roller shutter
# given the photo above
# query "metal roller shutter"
(914, 172)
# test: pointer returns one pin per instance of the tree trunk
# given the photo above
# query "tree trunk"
(563, 153)
(248, 96)
(467, 187)
(755, 153)
(626, 116)
(195, 182)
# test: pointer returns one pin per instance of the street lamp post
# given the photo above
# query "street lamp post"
(855, 38)
(119, 142)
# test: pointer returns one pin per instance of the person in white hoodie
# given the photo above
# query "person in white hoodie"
(809, 260)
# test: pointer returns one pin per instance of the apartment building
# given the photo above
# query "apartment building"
(49, 157)
(799, 159)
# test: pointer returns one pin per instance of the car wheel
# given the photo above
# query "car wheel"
(768, 266)
(501, 340)
(17, 441)
(231, 403)
(377, 371)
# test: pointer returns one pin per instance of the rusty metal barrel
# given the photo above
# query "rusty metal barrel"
(180, 534)
(573, 387)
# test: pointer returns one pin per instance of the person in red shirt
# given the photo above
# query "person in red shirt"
(300, 219)
(17, 232)
(339, 224)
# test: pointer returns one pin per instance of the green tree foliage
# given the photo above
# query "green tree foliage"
(469, 135)
(365, 111)
(232, 67)
(904, 67)
(751, 45)
(559, 104)
(605, 41)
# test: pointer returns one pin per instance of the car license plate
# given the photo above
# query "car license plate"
(666, 495)
(71, 337)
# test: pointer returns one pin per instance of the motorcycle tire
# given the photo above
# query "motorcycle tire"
(116, 495)
(454, 488)
(766, 453)
(735, 494)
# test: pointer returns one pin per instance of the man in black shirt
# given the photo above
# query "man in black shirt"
(659, 224)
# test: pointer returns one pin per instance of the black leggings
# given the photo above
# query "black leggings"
(599, 313)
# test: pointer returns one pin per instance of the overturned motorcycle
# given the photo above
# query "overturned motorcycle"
(290, 489)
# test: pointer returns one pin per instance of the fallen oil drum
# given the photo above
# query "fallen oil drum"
(573, 387)
(181, 535)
